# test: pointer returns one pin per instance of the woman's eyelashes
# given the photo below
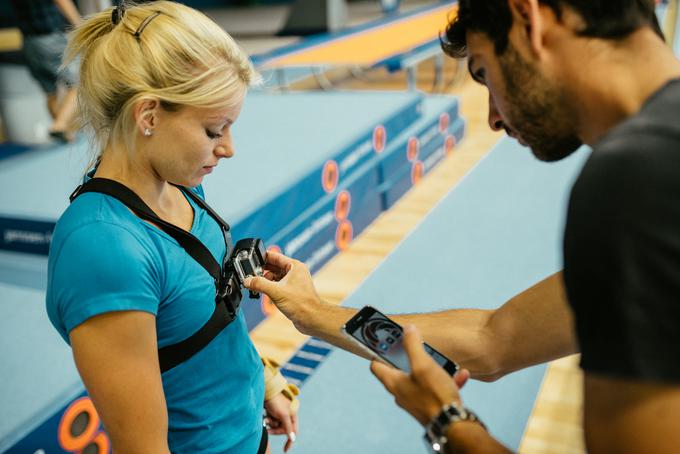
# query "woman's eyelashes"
(212, 134)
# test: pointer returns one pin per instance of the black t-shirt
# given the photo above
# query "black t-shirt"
(622, 246)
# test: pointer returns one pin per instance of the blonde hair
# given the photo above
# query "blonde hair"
(181, 58)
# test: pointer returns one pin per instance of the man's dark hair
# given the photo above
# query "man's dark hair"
(607, 19)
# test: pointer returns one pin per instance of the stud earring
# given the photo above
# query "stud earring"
(147, 132)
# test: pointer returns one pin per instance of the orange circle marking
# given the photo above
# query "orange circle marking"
(412, 149)
(67, 440)
(343, 235)
(379, 138)
(444, 121)
(101, 440)
(416, 172)
(330, 176)
(449, 144)
(343, 203)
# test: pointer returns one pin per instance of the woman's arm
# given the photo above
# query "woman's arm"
(117, 357)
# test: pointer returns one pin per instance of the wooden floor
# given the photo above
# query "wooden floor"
(555, 424)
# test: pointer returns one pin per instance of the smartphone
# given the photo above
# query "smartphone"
(383, 340)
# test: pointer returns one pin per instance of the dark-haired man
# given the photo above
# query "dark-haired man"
(561, 73)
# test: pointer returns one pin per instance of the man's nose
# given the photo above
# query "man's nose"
(495, 119)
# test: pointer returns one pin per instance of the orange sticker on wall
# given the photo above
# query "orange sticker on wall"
(416, 172)
(449, 144)
(444, 121)
(343, 235)
(379, 138)
(268, 308)
(100, 445)
(343, 203)
(412, 149)
(78, 425)
(330, 176)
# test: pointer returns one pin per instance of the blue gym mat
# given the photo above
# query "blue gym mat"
(498, 232)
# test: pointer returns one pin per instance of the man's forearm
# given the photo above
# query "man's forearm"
(471, 438)
(533, 327)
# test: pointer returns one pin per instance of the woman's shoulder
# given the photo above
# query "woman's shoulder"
(94, 218)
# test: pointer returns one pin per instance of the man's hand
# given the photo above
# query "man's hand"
(427, 388)
(289, 285)
(280, 419)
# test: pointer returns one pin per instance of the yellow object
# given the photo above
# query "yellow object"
(10, 39)
(372, 45)
(275, 383)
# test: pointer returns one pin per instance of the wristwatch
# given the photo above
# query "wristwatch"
(435, 430)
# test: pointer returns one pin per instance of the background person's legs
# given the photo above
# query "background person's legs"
(43, 55)
(64, 113)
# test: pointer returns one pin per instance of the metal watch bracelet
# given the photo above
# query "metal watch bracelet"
(435, 430)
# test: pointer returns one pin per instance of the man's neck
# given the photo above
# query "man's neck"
(620, 78)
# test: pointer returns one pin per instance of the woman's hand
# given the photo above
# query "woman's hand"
(281, 419)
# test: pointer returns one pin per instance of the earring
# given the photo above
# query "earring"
(147, 132)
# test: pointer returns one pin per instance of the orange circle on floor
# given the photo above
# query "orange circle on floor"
(69, 441)
(330, 176)
(343, 203)
(416, 172)
(343, 235)
(412, 149)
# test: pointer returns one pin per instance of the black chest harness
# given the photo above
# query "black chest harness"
(227, 285)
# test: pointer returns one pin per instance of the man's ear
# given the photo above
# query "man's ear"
(146, 112)
(526, 16)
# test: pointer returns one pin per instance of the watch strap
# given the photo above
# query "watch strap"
(435, 430)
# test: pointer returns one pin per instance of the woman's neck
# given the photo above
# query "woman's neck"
(140, 178)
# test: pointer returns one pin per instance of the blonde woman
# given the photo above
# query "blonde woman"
(161, 88)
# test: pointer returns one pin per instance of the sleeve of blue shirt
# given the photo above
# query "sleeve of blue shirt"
(103, 267)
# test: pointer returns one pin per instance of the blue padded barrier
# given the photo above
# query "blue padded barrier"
(429, 155)
(339, 135)
(437, 115)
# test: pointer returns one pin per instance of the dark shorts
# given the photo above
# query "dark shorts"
(43, 54)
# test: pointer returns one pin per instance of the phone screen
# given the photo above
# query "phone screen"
(384, 337)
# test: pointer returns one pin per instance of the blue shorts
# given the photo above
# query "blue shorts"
(43, 54)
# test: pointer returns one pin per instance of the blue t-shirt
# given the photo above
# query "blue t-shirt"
(103, 258)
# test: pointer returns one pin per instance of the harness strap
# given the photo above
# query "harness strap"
(175, 354)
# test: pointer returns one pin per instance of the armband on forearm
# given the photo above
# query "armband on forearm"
(275, 383)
